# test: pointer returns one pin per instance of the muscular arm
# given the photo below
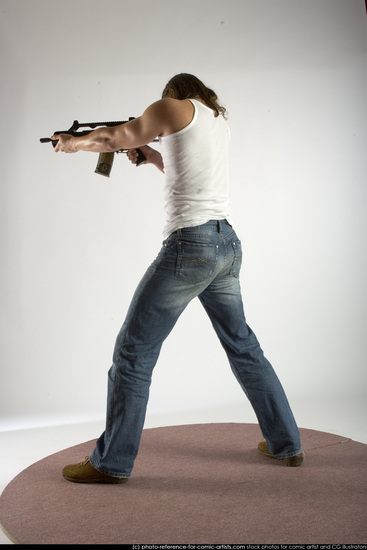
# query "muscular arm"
(161, 118)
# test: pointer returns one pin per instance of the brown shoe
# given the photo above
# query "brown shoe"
(295, 460)
(83, 472)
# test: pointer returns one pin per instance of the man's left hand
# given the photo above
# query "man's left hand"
(64, 143)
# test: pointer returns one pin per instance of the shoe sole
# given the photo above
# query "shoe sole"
(109, 481)
(292, 461)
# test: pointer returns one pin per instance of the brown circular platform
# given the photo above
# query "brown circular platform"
(197, 484)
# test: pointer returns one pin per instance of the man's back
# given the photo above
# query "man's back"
(196, 166)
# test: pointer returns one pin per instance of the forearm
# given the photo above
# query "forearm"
(156, 159)
(101, 140)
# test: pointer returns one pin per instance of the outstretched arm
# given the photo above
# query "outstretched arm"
(134, 133)
(161, 118)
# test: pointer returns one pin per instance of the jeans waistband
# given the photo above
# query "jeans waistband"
(218, 225)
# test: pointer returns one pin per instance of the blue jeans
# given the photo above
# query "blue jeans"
(203, 262)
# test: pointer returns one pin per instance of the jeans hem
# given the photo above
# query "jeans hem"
(108, 472)
(278, 457)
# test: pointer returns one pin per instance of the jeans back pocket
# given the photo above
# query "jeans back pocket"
(196, 262)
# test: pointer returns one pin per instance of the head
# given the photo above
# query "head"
(188, 86)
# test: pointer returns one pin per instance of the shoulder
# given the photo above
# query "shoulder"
(174, 114)
(169, 105)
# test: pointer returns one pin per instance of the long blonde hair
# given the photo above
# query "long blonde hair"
(188, 86)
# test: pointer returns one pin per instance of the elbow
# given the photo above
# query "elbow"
(115, 139)
(110, 145)
(107, 140)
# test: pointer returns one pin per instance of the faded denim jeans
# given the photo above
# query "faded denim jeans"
(203, 262)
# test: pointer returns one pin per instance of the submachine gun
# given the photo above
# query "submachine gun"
(105, 160)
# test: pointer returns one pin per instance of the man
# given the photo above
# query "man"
(200, 257)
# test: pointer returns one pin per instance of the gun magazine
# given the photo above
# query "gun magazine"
(104, 164)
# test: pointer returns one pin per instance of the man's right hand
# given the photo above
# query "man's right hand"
(152, 156)
(132, 154)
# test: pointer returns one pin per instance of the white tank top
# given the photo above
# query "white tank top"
(196, 167)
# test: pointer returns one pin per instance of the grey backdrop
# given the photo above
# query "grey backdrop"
(292, 74)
